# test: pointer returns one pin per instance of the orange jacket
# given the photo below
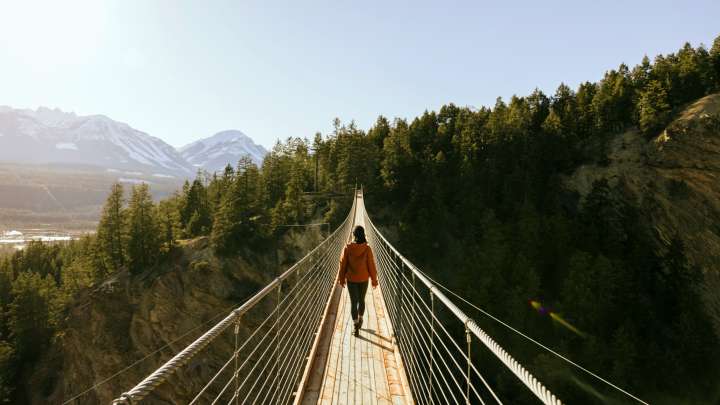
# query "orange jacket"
(357, 264)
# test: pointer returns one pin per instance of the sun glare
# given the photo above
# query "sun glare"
(43, 34)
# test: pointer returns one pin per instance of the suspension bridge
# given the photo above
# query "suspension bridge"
(292, 343)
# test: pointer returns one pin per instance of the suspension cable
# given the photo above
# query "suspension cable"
(537, 343)
(315, 275)
(165, 346)
(520, 372)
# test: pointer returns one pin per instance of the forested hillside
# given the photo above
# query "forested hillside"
(486, 200)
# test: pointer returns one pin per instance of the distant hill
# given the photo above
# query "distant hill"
(56, 167)
(65, 196)
(49, 136)
(221, 149)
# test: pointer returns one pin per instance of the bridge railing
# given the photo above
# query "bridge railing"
(439, 366)
(257, 353)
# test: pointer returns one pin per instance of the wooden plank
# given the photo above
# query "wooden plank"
(339, 342)
(312, 381)
(349, 350)
(378, 346)
(371, 354)
(344, 349)
(397, 380)
(364, 370)
(329, 380)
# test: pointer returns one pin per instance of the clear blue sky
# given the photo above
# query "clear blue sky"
(185, 70)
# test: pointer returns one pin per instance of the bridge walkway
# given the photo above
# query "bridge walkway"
(357, 370)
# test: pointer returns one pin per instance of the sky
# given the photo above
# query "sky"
(182, 71)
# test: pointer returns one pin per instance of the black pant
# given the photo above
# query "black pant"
(357, 298)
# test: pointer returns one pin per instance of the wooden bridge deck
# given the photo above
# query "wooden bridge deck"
(356, 370)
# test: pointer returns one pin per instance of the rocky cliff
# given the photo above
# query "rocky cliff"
(130, 317)
(675, 179)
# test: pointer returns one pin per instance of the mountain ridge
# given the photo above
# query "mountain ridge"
(53, 136)
(225, 147)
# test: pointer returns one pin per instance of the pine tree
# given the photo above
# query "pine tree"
(31, 313)
(553, 125)
(143, 232)
(715, 63)
(195, 214)
(694, 73)
(565, 107)
(585, 124)
(169, 221)
(539, 106)
(7, 372)
(76, 276)
(111, 234)
(241, 218)
(294, 205)
(612, 104)
(653, 108)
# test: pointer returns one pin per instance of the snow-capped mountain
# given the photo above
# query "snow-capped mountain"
(221, 149)
(53, 136)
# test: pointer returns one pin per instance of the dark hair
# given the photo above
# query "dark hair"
(359, 234)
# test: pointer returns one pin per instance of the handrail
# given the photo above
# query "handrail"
(159, 376)
(417, 329)
(535, 386)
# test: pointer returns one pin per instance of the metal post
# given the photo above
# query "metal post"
(400, 265)
(469, 340)
(277, 327)
(236, 375)
(432, 343)
(412, 294)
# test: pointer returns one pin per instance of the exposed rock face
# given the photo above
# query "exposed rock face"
(675, 179)
(130, 317)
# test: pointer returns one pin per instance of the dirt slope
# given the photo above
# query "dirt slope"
(675, 179)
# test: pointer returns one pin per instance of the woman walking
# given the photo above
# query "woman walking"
(357, 265)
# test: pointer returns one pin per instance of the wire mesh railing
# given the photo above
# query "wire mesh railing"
(258, 353)
(435, 338)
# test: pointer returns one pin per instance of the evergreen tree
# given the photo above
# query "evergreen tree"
(241, 219)
(654, 109)
(294, 207)
(76, 276)
(144, 239)
(195, 213)
(714, 57)
(7, 372)
(539, 105)
(564, 106)
(693, 73)
(168, 216)
(379, 132)
(612, 104)
(553, 125)
(480, 191)
(111, 232)
(31, 313)
(6, 279)
(585, 124)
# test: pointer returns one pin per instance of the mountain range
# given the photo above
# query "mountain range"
(52, 136)
(215, 152)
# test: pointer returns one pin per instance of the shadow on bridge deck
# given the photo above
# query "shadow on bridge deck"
(356, 370)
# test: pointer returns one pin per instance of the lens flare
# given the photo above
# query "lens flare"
(555, 317)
